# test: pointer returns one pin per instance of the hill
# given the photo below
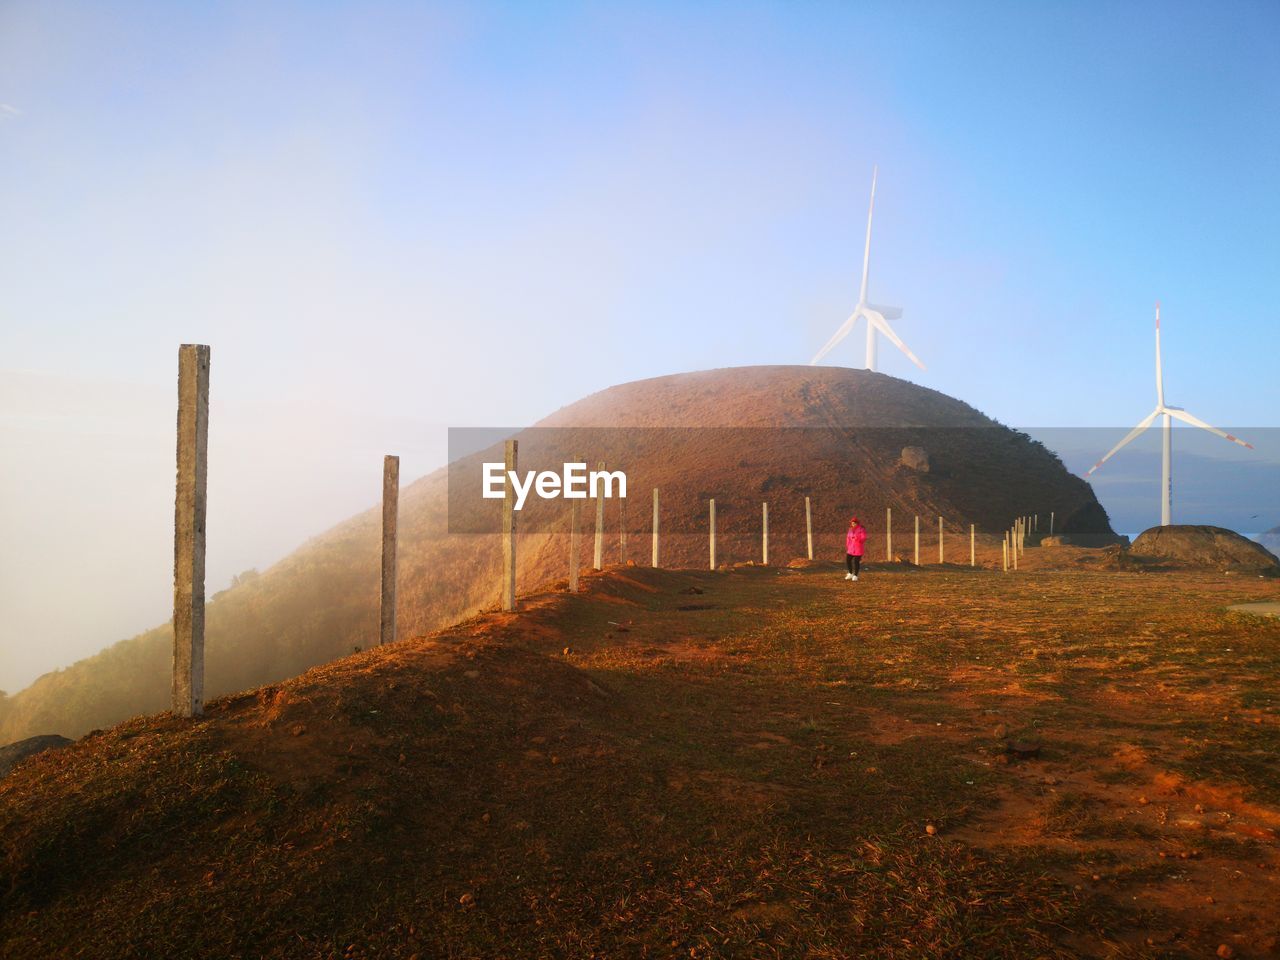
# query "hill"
(741, 764)
(741, 435)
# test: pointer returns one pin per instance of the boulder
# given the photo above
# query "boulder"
(14, 753)
(915, 458)
(1214, 547)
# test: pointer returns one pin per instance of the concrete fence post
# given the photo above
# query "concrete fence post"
(190, 502)
(888, 534)
(917, 540)
(575, 537)
(1035, 527)
(598, 558)
(1004, 549)
(764, 532)
(1051, 523)
(940, 553)
(808, 525)
(713, 533)
(622, 531)
(1015, 550)
(390, 522)
(655, 526)
(509, 531)
(973, 555)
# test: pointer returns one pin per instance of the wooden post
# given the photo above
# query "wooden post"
(1015, 550)
(973, 556)
(1005, 551)
(888, 534)
(509, 531)
(190, 501)
(655, 526)
(713, 533)
(575, 537)
(917, 539)
(808, 525)
(764, 532)
(390, 519)
(599, 552)
(940, 554)
(622, 531)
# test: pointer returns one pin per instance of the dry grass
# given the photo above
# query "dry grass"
(701, 765)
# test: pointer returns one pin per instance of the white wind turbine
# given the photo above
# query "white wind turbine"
(1164, 410)
(877, 317)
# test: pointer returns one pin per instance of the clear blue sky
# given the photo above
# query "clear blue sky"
(392, 218)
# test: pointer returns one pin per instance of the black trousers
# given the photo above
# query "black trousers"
(853, 563)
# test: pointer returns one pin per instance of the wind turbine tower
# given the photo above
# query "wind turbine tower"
(1167, 415)
(877, 317)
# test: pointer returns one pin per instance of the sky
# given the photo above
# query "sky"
(390, 219)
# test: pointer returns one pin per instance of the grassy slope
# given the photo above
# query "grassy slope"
(647, 770)
(321, 602)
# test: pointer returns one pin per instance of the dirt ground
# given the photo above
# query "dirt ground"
(767, 762)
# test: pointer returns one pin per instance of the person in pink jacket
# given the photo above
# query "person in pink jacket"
(853, 541)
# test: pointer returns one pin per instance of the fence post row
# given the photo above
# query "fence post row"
(190, 502)
(390, 522)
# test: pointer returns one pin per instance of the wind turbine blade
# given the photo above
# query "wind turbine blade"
(877, 320)
(1131, 434)
(1159, 365)
(1197, 422)
(889, 313)
(839, 335)
(866, 250)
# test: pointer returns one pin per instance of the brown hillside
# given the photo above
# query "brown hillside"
(763, 763)
(741, 435)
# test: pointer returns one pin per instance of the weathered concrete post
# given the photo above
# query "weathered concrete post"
(622, 531)
(973, 556)
(390, 521)
(575, 537)
(509, 531)
(190, 502)
(1035, 527)
(655, 526)
(888, 534)
(764, 532)
(713, 533)
(940, 554)
(1051, 523)
(1005, 550)
(808, 525)
(1015, 549)
(599, 554)
(917, 539)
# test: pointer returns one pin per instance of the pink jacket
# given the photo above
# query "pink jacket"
(854, 540)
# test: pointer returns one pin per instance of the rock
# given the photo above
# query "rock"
(915, 458)
(16, 752)
(930, 829)
(298, 729)
(1023, 749)
(1226, 951)
(1214, 547)
(467, 900)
